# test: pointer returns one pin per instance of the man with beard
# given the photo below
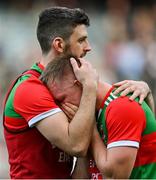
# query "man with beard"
(37, 132)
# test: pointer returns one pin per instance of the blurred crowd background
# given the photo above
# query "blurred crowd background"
(122, 35)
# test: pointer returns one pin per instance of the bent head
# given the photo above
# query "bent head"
(63, 30)
(60, 80)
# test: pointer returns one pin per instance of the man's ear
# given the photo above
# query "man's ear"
(58, 44)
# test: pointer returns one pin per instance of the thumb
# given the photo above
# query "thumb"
(74, 64)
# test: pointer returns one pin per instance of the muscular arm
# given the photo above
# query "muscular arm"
(74, 137)
(115, 162)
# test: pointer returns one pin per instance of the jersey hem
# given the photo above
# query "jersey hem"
(123, 143)
(41, 116)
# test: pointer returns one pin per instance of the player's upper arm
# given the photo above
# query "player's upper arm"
(32, 98)
(119, 164)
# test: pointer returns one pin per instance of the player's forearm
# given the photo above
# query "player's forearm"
(99, 152)
(80, 128)
(98, 149)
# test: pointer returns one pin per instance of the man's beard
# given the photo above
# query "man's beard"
(67, 52)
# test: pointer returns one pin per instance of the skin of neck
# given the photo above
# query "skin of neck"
(103, 89)
(46, 58)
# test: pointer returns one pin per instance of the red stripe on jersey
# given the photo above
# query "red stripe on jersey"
(93, 170)
(147, 147)
(40, 66)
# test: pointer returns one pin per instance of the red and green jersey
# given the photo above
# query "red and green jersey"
(31, 155)
(122, 122)
(93, 170)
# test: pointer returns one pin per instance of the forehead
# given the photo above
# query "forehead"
(79, 31)
(61, 85)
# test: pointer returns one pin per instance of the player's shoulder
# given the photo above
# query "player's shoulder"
(124, 101)
(32, 82)
(31, 86)
(123, 112)
(125, 105)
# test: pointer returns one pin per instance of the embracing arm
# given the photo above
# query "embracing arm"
(74, 137)
(139, 89)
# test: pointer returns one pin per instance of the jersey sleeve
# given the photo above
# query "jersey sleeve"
(34, 102)
(125, 121)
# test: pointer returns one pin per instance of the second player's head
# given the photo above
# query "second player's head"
(59, 77)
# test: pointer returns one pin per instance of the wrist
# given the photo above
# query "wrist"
(90, 84)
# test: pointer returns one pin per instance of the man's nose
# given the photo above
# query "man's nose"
(88, 47)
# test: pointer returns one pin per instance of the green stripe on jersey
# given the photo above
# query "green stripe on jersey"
(150, 123)
(101, 125)
(9, 108)
(144, 172)
(35, 66)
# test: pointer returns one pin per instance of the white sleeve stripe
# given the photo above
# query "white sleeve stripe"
(113, 95)
(123, 143)
(43, 115)
(106, 103)
(110, 99)
(99, 113)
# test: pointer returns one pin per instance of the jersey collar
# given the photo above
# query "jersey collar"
(106, 96)
(38, 67)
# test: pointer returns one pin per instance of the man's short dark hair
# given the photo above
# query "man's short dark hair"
(58, 21)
